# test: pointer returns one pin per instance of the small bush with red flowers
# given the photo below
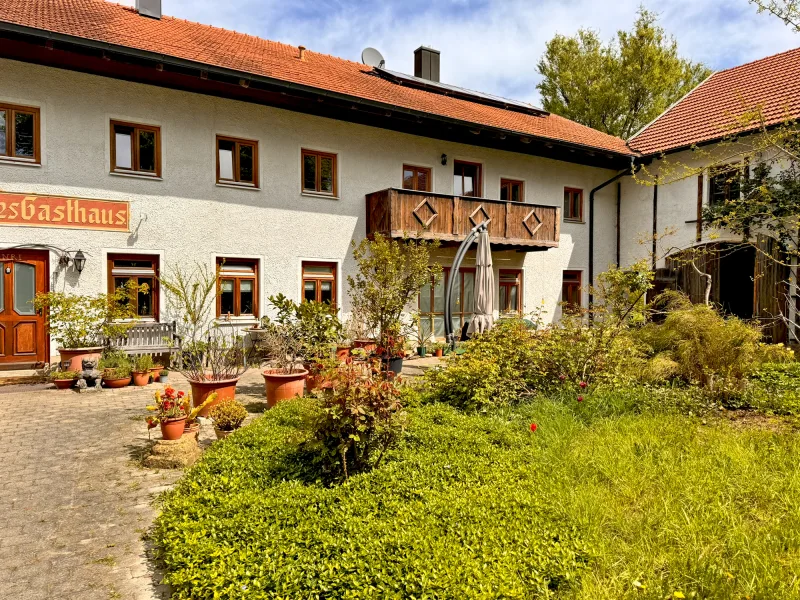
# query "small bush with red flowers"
(359, 418)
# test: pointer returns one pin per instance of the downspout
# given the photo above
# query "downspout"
(591, 224)
(619, 206)
(655, 224)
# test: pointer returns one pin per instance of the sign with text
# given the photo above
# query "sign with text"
(28, 210)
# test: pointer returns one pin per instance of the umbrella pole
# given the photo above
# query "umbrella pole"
(460, 254)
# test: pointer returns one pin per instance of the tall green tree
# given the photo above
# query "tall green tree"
(617, 87)
(787, 11)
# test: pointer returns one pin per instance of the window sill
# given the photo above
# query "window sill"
(20, 162)
(575, 221)
(319, 195)
(236, 321)
(239, 186)
(136, 175)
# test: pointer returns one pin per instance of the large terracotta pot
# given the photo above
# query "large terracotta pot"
(141, 379)
(283, 386)
(368, 345)
(117, 383)
(226, 390)
(155, 371)
(75, 356)
(172, 429)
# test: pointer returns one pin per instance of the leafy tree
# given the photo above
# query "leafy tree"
(617, 87)
(787, 11)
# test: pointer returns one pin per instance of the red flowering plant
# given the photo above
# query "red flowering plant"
(172, 404)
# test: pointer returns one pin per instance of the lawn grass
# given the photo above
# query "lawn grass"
(596, 504)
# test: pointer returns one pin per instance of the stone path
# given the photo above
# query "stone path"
(76, 505)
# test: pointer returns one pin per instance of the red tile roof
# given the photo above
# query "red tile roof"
(709, 111)
(121, 25)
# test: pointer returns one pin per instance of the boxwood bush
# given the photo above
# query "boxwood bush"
(457, 511)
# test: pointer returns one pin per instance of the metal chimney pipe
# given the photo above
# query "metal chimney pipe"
(149, 8)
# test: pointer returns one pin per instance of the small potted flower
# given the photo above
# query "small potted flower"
(228, 416)
(155, 372)
(141, 370)
(163, 376)
(117, 377)
(173, 412)
(438, 349)
(64, 380)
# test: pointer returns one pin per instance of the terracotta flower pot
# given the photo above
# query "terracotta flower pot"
(282, 386)
(438, 353)
(343, 354)
(172, 429)
(191, 429)
(369, 346)
(117, 383)
(226, 390)
(64, 384)
(76, 356)
(141, 379)
(221, 433)
(154, 372)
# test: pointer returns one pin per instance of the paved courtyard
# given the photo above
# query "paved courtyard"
(76, 505)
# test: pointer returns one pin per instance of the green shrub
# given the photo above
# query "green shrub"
(228, 415)
(358, 420)
(64, 375)
(704, 347)
(493, 370)
(458, 511)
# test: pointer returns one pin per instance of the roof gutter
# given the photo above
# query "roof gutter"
(282, 83)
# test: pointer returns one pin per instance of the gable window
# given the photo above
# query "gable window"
(319, 282)
(141, 269)
(725, 185)
(238, 287)
(511, 190)
(510, 292)
(319, 172)
(571, 289)
(135, 149)
(466, 179)
(416, 178)
(237, 161)
(573, 205)
(19, 133)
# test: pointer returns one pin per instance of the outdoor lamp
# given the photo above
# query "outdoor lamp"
(79, 260)
(444, 159)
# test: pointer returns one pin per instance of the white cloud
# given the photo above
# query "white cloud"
(491, 45)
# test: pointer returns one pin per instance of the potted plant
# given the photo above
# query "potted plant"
(81, 324)
(389, 277)
(439, 348)
(141, 370)
(211, 359)
(116, 367)
(284, 378)
(163, 376)
(356, 330)
(420, 335)
(174, 413)
(64, 380)
(227, 416)
(155, 372)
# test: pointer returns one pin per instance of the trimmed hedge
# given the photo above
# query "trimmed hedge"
(458, 511)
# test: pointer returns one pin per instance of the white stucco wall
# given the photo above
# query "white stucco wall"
(185, 217)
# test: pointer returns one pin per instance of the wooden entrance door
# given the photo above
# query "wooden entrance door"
(23, 340)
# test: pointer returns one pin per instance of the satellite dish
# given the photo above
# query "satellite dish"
(372, 58)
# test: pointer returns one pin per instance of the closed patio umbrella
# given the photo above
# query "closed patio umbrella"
(483, 317)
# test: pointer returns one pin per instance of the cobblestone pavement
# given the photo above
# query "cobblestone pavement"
(76, 504)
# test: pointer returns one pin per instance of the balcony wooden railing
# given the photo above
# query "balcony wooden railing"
(400, 213)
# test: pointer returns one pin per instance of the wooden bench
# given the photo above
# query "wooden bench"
(149, 338)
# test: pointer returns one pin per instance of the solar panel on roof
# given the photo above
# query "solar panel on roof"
(459, 92)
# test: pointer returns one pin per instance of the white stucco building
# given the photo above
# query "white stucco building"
(146, 143)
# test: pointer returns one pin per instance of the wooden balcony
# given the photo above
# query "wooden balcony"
(520, 226)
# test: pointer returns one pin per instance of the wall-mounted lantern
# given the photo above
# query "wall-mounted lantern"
(444, 159)
(79, 260)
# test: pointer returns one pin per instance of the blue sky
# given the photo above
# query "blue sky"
(490, 45)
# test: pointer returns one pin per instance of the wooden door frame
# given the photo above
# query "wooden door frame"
(40, 254)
